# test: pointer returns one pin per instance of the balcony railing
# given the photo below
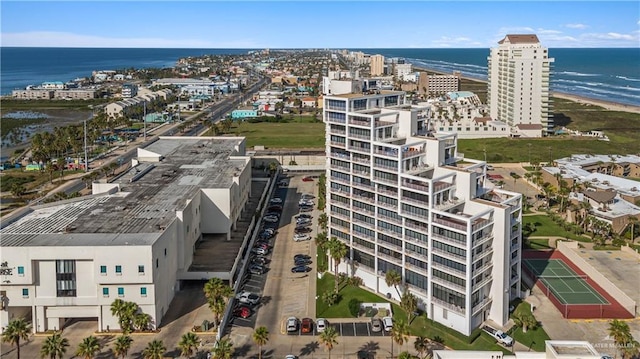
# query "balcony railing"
(412, 153)
(359, 148)
(359, 122)
(448, 269)
(387, 192)
(481, 305)
(419, 187)
(363, 137)
(364, 248)
(450, 203)
(449, 255)
(363, 235)
(338, 144)
(486, 279)
(414, 214)
(340, 180)
(424, 229)
(440, 186)
(344, 156)
(389, 218)
(389, 154)
(364, 210)
(338, 132)
(340, 168)
(361, 160)
(364, 185)
(415, 268)
(389, 245)
(450, 224)
(448, 284)
(360, 197)
(386, 180)
(336, 120)
(384, 123)
(364, 223)
(449, 306)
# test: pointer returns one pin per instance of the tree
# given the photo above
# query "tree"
(409, 303)
(406, 355)
(16, 330)
(18, 190)
(273, 167)
(217, 293)
(393, 278)
(88, 347)
(399, 333)
(323, 220)
(328, 339)
(223, 349)
(525, 320)
(125, 311)
(260, 337)
(421, 345)
(620, 332)
(321, 240)
(154, 350)
(338, 251)
(141, 321)
(54, 346)
(188, 344)
(122, 346)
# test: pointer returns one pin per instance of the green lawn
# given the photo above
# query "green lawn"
(539, 243)
(420, 326)
(545, 227)
(533, 338)
(300, 132)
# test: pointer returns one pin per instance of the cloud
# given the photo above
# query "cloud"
(548, 32)
(515, 30)
(460, 41)
(611, 36)
(576, 26)
(65, 39)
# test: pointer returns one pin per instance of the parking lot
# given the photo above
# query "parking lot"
(350, 329)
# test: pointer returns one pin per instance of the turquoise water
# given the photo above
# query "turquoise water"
(606, 74)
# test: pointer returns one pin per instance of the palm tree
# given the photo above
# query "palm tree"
(409, 303)
(16, 331)
(88, 347)
(321, 240)
(260, 337)
(406, 355)
(399, 334)
(123, 344)
(223, 349)
(188, 344)
(620, 332)
(393, 278)
(125, 311)
(421, 345)
(215, 287)
(154, 350)
(141, 321)
(54, 346)
(328, 338)
(632, 222)
(338, 251)
(323, 220)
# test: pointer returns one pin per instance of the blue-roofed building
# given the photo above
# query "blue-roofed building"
(242, 114)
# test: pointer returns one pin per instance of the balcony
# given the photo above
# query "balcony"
(384, 123)
(415, 201)
(388, 153)
(337, 131)
(411, 152)
(336, 120)
(363, 248)
(387, 180)
(364, 223)
(448, 269)
(387, 192)
(368, 186)
(359, 122)
(424, 229)
(455, 241)
(486, 279)
(388, 218)
(414, 215)
(340, 180)
(390, 246)
(451, 224)
(340, 168)
(342, 156)
(363, 235)
(449, 204)
(337, 144)
(393, 169)
(364, 210)
(479, 223)
(361, 197)
(448, 284)
(363, 137)
(449, 306)
(416, 268)
(479, 306)
(453, 256)
(340, 192)
(417, 186)
(336, 225)
(484, 267)
(410, 238)
(416, 254)
(441, 186)
(359, 148)
(362, 160)
(417, 169)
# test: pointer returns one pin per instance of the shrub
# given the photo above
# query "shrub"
(355, 281)
(354, 307)
(330, 298)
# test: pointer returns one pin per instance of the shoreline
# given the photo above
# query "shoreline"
(607, 105)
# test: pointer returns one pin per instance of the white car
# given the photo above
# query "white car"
(276, 200)
(387, 322)
(270, 218)
(292, 324)
(308, 196)
(321, 325)
(248, 298)
(306, 202)
(301, 221)
(301, 237)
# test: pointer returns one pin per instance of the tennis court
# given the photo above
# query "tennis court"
(568, 286)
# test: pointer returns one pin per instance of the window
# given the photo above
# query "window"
(21, 271)
(444, 313)
(103, 270)
(120, 292)
(157, 262)
(105, 292)
(25, 292)
(119, 270)
(165, 250)
(143, 291)
(140, 269)
(66, 278)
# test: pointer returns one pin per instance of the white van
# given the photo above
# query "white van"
(387, 322)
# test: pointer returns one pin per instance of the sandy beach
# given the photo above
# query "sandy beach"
(607, 105)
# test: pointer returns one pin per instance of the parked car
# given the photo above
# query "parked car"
(242, 312)
(303, 215)
(303, 256)
(275, 208)
(301, 237)
(283, 183)
(302, 262)
(307, 196)
(259, 260)
(301, 221)
(248, 298)
(306, 202)
(292, 324)
(388, 323)
(270, 218)
(306, 209)
(264, 245)
(306, 325)
(307, 179)
(276, 200)
(260, 251)
(376, 325)
(256, 269)
(304, 225)
(302, 229)
(300, 269)
(321, 325)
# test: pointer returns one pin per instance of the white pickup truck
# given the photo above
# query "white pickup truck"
(498, 335)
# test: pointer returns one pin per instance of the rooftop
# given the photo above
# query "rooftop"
(149, 196)
(520, 39)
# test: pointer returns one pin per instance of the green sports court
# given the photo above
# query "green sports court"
(565, 284)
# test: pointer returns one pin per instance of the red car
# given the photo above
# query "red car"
(242, 312)
(306, 326)
(307, 179)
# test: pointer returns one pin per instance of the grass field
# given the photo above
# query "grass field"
(420, 326)
(533, 338)
(300, 132)
(545, 227)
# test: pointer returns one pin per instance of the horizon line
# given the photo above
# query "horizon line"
(290, 48)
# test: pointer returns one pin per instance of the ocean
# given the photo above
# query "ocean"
(605, 74)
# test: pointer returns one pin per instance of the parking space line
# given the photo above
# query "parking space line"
(368, 330)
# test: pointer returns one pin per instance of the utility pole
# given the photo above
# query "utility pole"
(144, 120)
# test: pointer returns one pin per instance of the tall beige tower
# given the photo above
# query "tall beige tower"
(518, 88)
(377, 65)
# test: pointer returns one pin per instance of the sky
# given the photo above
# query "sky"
(316, 24)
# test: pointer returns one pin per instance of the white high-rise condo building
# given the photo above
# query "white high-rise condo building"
(403, 199)
(518, 89)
